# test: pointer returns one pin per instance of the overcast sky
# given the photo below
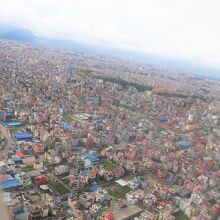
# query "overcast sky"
(176, 28)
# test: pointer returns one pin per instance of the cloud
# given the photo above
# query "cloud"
(182, 29)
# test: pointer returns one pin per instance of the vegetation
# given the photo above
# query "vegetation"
(14, 130)
(63, 175)
(86, 73)
(57, 186)
(70, 118)
(3, 143)
(173, 95)
(144, 177)
(67, 118)
(124, 83)
(181, 216)
(27, 169)
(119, 192)
(107, 184)
(51, 167)
(109, 166)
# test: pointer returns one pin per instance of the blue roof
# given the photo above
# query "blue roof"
(17, 159)
(94, 159)
(65, 126)
(23, 136)
(94, 188)
(184, 144)
(27, 151)
(76, 147)
(10, 184)
(163, 118)
(14, 124)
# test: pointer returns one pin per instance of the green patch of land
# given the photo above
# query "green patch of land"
(107, 184)
(119, 192)
(63, 175)
(70, 118)
(3, 143)
(86, 73)
(27, 169)
(181, 216)
(57, 186)
(67, 118)
(124, 83)
(14, 130)
(51, 166)
(144, 177)
(109, 166)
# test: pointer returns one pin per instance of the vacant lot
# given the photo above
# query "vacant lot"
(109, 166)
(119, 191)
(57, 186)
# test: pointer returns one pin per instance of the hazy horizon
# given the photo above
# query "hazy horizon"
(180, 30)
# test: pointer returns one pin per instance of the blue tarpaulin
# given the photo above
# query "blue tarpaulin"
(163, 118)
(93, 158)
(65, 126)
(94, 188)
(17, 159)
(23, 136)
(184, 144)
(27, 151)
(10, 184)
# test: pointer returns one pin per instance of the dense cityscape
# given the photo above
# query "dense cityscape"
(86, 137)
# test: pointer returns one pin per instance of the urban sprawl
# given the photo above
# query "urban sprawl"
(86, 137)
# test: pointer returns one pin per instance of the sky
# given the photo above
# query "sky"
(188, 29)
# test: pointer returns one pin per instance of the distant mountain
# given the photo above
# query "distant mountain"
(11, 32)
(4, 28)
(19, 35)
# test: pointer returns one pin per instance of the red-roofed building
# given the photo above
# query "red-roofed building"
(20, 154)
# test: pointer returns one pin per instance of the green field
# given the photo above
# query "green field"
(51, 166)
(181, 216)
(119, 191)
(108, 184)
(57, 186)
(14, 130)
(27, 169)
(67, 118)
(109, 166)
(86, 73)
(70, 118)
(3, 144)
(63, 175)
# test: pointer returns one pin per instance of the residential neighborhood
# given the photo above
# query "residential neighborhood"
(85, 137)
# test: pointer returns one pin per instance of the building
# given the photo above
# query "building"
(7, 182)
(35, 214)
(18, 212)
(61, 169)
(183, 144)
(93, 158)
(23, 137)
(29, 160)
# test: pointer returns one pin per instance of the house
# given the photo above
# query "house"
(61, 170)
(29, 160)
(86, 199)
(38, 165)
(7, 183)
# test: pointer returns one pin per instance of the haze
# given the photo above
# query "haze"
(180, 29)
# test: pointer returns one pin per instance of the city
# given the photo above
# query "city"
(92, 137)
